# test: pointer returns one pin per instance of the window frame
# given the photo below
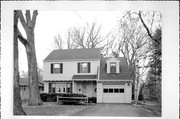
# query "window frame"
(116, 90)
(120, 90)
(113, 90)
(80, 67)
(56, 70)
(107, 90)
(110, 66)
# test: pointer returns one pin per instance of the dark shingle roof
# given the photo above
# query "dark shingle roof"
(123, 75)
(71, 54)
(84, 77)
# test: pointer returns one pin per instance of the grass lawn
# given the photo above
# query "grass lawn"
(152, 106)
(52, 108)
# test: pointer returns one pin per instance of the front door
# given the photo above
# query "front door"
(84, 88)
(69, 87)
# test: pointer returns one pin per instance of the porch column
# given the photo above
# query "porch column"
(73, 87)
(99, 92)
(46, 87)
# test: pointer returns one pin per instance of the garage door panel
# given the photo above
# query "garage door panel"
(115, 96)
(113, 100)
(113, 86)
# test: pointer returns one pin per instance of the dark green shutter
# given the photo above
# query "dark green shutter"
(78, 68)
(89, 67)
(51, 68)
(105, 68)
(61, 68)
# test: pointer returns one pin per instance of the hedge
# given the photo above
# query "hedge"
(52, 97)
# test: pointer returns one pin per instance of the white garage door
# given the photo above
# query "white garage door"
(113, 94)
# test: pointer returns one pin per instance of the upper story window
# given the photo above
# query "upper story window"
(56, 68)
(113, 67)
(84, 67)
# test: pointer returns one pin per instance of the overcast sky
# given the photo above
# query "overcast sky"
(50, 23)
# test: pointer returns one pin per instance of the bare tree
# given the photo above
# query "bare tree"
(69, 41)
(17, 104)
(133, 43)
(29, 44)
(58, 42)
(154, 74)
(87, 37)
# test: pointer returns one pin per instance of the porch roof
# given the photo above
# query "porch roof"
(80, 77)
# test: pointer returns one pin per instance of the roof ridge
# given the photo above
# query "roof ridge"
(79, 53)
(76, 49)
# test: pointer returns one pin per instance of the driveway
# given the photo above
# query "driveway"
(115, 110)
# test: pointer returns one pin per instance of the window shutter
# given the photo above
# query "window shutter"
(89, 67)
(51, 68)
(105, 67)
(78, 68)
(61, 68)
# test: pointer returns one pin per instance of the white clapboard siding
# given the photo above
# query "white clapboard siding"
(69, 69)
(128, 93)
(99, 92)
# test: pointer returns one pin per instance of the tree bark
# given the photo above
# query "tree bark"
(28, 25)
(34, 97)
(17, 108)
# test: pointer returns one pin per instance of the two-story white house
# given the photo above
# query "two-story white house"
(86, 72)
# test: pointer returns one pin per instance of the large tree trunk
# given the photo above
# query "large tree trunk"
(29, 25)
(34, 97)
(17, 108)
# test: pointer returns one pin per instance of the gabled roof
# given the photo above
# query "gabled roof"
(123, 75)
(72, 54)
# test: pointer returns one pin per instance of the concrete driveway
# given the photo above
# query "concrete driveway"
(115, 110)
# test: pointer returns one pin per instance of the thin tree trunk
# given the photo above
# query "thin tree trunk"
(17, 108)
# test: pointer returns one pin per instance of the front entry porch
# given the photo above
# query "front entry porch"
(87, 88)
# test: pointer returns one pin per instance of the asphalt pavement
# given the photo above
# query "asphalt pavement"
(125, 110)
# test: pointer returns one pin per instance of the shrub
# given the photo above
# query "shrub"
(141, 97)
(52, 97)
(92, 99)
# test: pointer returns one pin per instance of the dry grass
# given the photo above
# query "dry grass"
(54, 109)
(156, 109)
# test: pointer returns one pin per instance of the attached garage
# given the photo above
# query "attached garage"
(114, 84)
(114, 91)
(113, 94)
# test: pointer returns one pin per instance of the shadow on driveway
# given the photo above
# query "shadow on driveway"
(115, 110)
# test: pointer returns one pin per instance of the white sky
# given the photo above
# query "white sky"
(50, 23)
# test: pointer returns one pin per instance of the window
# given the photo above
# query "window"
(69, 87)
(110, 90)
(113, 90)
(105, 90)
(113, 67)
(64, 90)
(84, 67)
(121, 90)
(57, 68)
(53, 88)
(59, 89)
(116, 90)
